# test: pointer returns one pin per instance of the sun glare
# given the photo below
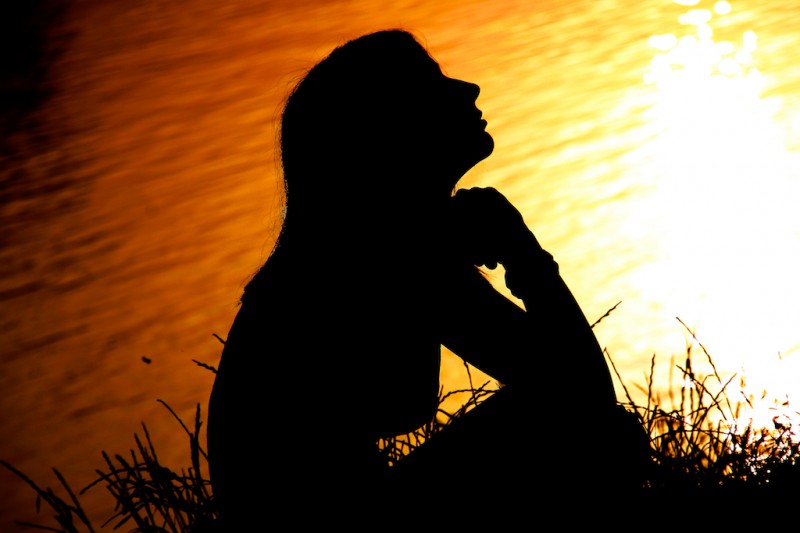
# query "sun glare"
(727, 191)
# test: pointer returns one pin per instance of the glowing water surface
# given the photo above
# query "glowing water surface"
(652, 146)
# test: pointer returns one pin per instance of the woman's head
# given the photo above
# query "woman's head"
(377, 109)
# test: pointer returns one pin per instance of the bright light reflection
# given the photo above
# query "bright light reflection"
(722, 8)
(695, 17)
(727, 195)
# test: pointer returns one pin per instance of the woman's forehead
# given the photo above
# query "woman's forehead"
(424, 62)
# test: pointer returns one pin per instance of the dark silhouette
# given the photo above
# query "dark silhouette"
(337, 341)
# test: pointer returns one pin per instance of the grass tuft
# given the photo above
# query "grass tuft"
(701, 442)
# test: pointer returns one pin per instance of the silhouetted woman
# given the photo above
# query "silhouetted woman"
(337, 341)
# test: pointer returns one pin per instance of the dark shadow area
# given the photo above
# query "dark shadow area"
(33, 36)
(337, 341)
(29, 43)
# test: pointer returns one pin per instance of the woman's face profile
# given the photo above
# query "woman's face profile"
(450, 123)
(381, 103)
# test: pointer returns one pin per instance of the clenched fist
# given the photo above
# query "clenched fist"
(488, 230)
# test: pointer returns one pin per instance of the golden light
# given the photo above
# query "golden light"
(654, 148)
(726, 196)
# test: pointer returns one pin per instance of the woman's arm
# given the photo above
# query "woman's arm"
(549, 345)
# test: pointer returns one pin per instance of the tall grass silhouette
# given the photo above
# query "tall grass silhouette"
(701, 442)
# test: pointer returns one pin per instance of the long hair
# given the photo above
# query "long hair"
(348, 114)
(345, 132)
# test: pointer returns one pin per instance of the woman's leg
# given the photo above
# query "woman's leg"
(511, 455)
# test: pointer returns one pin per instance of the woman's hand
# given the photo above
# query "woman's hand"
(488, 229)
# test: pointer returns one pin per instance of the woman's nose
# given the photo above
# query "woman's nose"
(471, 88)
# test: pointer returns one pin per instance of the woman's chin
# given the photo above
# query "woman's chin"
(483, 148)
(489, 144)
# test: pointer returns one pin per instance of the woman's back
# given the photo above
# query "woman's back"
(323, 359)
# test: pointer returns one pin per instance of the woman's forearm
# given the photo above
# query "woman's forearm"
(566, 335)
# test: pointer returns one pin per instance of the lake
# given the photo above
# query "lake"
(652, 146)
